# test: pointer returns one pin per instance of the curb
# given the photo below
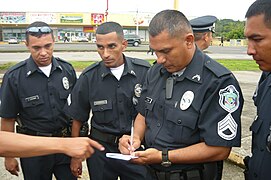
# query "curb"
(236, 159)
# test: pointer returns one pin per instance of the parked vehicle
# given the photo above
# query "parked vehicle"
(133, 39)
(82, 39)
(13, 40)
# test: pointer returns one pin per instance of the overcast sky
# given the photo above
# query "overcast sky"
(222, 9)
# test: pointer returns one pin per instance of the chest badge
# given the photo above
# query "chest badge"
(137, 90)
(65, 83)
(186, 100)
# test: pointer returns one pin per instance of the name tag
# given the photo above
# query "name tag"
(32, 98)
(99, 103)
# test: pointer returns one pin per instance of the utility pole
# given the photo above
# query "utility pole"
(176, 4)
(137, 22)
(106, 11)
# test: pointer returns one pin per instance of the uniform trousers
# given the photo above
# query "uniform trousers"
(43, 167)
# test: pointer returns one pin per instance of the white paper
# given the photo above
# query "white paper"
(120, 156)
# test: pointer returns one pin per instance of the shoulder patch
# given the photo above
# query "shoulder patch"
(216, 68)
(140, 62)
(92, 66)
(17, 66)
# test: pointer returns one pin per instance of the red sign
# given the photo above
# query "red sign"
(97, 18)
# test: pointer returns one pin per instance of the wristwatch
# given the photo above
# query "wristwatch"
(165, 160)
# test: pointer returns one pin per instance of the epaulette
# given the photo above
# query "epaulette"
(140, 62)
(17, 66)
(216, 68)
(62, 60)
(92, 66)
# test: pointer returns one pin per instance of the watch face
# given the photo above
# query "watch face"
(166, 163)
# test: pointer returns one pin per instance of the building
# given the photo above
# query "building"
(13, 24)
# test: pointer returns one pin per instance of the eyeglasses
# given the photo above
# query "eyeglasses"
(43, 29)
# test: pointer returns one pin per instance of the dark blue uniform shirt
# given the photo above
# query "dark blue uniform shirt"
(36, 99)
(260, 162)
(112, 101)
(206, 105)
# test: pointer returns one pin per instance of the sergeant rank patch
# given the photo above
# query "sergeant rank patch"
(227, 128)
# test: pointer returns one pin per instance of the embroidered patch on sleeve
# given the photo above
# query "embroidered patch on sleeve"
(229, 98)
(227, 128)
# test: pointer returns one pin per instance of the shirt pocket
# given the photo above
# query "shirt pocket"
(149, 114)
(255, 128)
(182, 125)
(64, 95)
(102, 111)
(33, 101)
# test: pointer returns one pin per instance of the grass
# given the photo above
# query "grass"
(239, 65)
(233, 65)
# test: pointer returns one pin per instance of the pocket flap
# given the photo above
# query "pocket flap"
(181, 118)
(101, 105)
(32, 101)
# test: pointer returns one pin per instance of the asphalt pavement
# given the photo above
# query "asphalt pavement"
(248, 81)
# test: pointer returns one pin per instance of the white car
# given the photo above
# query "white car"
(82, 39)
(13, 41)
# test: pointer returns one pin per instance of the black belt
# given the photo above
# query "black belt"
(64, 132)
(195, 174)
(105, 137)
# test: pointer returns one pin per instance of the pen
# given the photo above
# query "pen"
(132, 134)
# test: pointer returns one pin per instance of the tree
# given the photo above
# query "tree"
(230, 29)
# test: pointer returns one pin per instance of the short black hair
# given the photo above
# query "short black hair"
(38, 34)
(260, 7)
(172, 21)
(109, 27)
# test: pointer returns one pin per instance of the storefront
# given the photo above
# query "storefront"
(74, 25)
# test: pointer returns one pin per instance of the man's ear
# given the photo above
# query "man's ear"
(124, 44)
(26, 43)
(189, 40)
(206, 37)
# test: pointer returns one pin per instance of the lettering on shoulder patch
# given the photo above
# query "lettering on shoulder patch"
(229, 98)
(227, 128)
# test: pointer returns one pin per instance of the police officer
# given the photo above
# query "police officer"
(34, 92)
(258, 33)
(203, 29)
(110, 89)
(190, 106)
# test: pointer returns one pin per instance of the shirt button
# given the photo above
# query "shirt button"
(179, 121)
(158, 124)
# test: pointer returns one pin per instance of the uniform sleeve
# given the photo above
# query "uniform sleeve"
(9, 107)
(78, 106)
(220, 119)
